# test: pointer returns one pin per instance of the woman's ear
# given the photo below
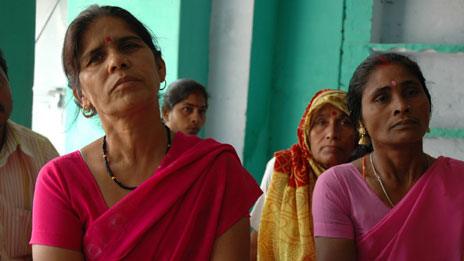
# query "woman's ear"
(81, 98)
(165, 115)
(77, 95)
(161, 69)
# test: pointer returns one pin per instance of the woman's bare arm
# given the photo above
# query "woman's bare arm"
(48, 253)
(253, 245)
(336, 249)
(234, 244)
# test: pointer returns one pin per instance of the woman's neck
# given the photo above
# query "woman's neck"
(131, 137)
(401, 164)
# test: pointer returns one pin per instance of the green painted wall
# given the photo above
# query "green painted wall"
(163, 18)
(193, 57)
(193, 63)
(257, 132)
(17, 35)
(356, 37)
(297, 47)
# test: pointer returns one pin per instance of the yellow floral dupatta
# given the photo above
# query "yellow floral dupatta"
(286, 229)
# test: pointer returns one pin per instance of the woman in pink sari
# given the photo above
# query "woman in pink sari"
(140, 192)
(396, 203)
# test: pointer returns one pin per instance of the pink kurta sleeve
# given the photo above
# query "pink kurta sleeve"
(241, 192)
(331, 207)
(54, 221)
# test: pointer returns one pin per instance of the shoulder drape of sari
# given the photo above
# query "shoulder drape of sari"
(427, 224)
(178, 213)
(285, 231)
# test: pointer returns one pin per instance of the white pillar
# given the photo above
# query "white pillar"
(229, 68)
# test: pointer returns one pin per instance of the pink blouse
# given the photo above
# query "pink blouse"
(343, 204)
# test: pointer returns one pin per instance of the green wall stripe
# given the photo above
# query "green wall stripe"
(256, 146)
(449, 133)
(17, 40)
(357, 35)
(417, 47)
(194, 40)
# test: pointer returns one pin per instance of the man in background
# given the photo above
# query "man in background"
(22, 154)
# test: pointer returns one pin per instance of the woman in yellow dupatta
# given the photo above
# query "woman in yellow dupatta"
(326, 137)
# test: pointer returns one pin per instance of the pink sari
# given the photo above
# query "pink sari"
(428, 223)
(178, 213)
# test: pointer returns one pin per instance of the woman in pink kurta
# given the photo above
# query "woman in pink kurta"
(140, 192)
(396, 203)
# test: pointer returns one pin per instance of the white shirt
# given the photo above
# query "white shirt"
(21, 157)
(255, 216)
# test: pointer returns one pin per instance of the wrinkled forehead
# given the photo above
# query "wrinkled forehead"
(104, 31)
(391, 70)
(327, 110)
(331, 106)
(392, 75)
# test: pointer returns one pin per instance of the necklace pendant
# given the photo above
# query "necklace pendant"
(107, 163)
(379, 180)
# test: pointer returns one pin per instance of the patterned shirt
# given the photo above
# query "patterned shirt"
(23, 153)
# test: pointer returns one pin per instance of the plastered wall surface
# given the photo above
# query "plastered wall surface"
(50, 83)
(229, 67)
(444, 147)
(418, 21)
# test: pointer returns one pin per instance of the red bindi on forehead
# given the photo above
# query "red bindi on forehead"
(334, 113)
(394, 83)
(382, 60)
(108, 40)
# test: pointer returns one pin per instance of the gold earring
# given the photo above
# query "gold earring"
(364, 139)
(88, 111)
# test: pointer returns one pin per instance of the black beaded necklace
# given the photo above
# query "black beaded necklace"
(107, 163)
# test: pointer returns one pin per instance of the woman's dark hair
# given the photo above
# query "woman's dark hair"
(367, 67)
(3, 64)
(181, 90)
(72, 48)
